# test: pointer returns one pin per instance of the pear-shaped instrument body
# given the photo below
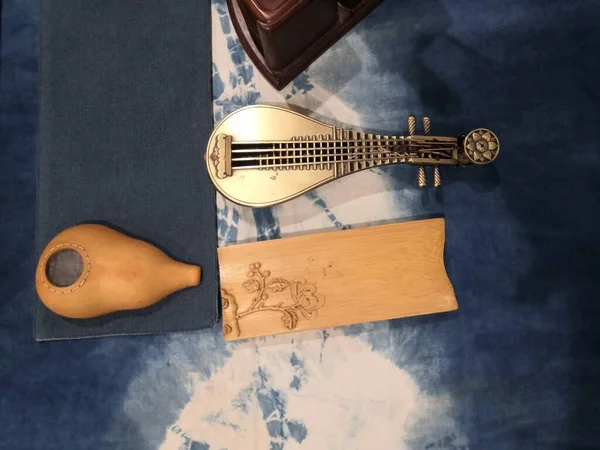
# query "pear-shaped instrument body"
(255, 155)
(116, 273)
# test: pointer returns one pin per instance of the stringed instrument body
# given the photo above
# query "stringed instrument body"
(261, 156)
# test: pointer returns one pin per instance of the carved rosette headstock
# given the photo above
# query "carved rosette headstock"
(481, 146)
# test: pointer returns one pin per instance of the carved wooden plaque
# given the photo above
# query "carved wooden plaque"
(334, 278)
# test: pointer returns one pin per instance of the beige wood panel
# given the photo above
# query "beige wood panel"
(335, 278)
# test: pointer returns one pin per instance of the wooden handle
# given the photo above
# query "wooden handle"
(334, 279)
(109, 272)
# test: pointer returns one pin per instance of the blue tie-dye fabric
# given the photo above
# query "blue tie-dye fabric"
(516, 367)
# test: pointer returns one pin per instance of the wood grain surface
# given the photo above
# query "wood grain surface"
(334, 278)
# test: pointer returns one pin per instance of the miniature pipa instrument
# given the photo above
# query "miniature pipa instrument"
(261, 156)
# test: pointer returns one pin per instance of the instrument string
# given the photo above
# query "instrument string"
(334, 156)
(325, 164)
(324, 156)
(330, 145)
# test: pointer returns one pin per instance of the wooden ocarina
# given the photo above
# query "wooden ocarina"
(91, 270)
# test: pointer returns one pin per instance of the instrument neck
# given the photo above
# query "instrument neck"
(348, 150)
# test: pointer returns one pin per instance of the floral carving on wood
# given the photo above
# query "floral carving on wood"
(293, 300)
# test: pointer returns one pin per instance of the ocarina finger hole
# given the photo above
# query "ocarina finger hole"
(64, 268)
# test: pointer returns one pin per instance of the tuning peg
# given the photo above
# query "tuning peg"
(412, 129)
(437, 177)
(422, 174)
(412, 125)
(422, 177)
(427, 125)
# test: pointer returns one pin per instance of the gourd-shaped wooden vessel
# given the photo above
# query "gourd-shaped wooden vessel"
(107, 272)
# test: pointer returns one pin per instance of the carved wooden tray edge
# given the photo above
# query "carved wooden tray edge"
(281, 286)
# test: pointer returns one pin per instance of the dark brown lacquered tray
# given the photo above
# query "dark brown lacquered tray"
(283, 37)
